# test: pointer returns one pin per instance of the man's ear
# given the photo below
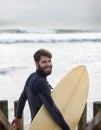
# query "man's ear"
(36, 64)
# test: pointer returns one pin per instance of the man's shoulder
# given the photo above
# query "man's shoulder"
(30, 77)
(34, 74)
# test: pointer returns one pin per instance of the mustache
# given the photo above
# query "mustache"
(48, 67)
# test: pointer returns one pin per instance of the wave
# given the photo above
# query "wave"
(50, 41)
(48, 36)
(3, 72)
(12, 31)
(7, 70)
(21, 31)
(46, 31)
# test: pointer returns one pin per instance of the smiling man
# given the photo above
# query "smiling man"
(38, 91)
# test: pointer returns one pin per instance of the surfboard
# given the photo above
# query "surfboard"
(70, 96)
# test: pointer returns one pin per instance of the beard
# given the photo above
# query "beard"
(43, 72)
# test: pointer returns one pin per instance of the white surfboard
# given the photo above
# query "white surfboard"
(70, 96)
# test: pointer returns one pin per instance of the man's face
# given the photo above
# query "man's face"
(44, 65)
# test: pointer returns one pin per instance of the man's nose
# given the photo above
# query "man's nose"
(49, 63)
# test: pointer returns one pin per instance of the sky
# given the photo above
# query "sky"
(49, 12)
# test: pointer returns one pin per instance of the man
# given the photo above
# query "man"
(38, 91)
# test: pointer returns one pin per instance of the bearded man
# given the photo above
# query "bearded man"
(37, 91)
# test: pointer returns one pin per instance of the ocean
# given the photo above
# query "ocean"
(70, 48)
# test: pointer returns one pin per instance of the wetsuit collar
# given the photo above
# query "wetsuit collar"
(41, 74)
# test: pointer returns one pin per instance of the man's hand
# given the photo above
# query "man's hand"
(16, 123)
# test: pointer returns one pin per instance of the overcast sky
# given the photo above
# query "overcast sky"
(48, 12)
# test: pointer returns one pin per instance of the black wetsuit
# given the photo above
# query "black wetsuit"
(38, 91)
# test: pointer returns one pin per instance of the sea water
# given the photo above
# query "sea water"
(70, 48)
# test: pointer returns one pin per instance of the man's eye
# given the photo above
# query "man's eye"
(44, 62)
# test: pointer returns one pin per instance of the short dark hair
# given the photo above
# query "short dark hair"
(41, 52)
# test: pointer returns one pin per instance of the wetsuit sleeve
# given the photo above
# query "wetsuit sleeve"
(21, 103)
(45, 96)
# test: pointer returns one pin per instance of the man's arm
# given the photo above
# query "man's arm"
(21, 104)
(45, 96)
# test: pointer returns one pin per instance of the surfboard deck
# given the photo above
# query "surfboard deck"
(70, 96)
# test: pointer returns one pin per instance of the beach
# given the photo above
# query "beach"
(69, 50)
